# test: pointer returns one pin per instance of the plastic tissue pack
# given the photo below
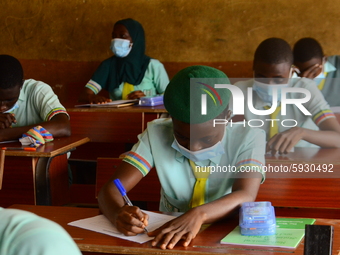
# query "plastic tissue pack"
(257, 219)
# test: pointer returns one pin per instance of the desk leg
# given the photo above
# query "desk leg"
(51, 181)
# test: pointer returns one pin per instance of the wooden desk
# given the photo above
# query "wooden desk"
(39, 177)
(112, 124)
(112, 131)
(308, 189)
(206, 242)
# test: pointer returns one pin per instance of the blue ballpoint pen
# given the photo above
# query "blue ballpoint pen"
(122, 191)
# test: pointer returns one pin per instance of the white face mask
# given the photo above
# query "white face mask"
(120, 47)
(265, 91)
(201, 155)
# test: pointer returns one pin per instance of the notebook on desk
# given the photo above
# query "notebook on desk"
(116, 103)
(289, 233)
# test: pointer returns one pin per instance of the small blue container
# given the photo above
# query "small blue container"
(257, 219)
(151, 101)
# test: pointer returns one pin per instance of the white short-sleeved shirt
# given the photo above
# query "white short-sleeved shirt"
(317, 106)
(243, 147)
(24, 233)
(155, 80)
(37, 103)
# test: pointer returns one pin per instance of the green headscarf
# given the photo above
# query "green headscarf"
(131, 68)
(182, 97)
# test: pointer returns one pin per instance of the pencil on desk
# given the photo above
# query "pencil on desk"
(19, 148)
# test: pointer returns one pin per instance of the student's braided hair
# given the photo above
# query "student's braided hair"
(11, 73)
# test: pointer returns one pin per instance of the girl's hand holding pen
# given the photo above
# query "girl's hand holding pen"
(131, 220)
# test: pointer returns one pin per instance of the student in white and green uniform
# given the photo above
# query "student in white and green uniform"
(27, 103)
(24, 233)
(129, 74)
(324, 70)
(272, 69)
(182, 149)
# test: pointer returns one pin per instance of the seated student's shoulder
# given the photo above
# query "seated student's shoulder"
(245, 134)
(306, 84)
(243, 85)
(160, 124)
(155, 66)
(31, 85)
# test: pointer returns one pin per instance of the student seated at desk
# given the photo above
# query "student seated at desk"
(180, 149)
(313, 64)
(273, 69)
(27, 103)
(129, 74)
(24, 233)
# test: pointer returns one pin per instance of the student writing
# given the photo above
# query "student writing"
(179, 148)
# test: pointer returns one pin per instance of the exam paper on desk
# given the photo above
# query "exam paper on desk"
(102, 225)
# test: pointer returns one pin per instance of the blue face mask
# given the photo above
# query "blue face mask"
(201, 155)
(318, 79)
(15, 106)
(120, 47)
(265, 91)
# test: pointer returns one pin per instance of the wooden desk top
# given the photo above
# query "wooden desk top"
(135, 108)
(50, 149)
(307, 155)
(206, 242)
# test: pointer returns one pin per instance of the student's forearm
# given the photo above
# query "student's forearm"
(326, 139)
(110, 201)
(58, 126)
(224, 206)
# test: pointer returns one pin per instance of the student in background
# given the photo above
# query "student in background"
(129, 74)
(27, 103)
(273, 68)
(180, 149)
(313, 64)
(24, 233)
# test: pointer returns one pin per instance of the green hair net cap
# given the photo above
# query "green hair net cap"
(182, 97)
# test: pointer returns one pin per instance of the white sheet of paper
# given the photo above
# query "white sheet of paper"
(102, 225)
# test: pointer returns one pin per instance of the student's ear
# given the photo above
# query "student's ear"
(325, 57)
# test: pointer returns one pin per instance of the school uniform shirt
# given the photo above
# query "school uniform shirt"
(37, 103)
(331, 87)
(24, 233)
(154, 82)
(244, 147)
(317, 106)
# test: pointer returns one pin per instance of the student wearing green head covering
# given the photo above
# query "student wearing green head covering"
(129, 74)
(199, 165)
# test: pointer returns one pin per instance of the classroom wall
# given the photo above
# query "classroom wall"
(176, 30)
